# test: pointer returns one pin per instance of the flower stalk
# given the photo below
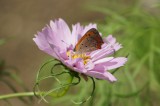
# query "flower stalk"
(15, 95)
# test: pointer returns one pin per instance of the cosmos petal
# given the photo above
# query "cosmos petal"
(114, 63)
(60, 33)
(103, 60)
(105, 75)
(80, 66)
(90, 65)
(110, 77)
(111, 40)
(76, 30)
(43, 45)
(102, 53)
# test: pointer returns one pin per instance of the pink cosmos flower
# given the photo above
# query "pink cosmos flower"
(59, 41)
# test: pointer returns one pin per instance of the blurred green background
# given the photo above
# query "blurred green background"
(135, 24)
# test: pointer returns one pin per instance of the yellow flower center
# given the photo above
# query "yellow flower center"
(75, 56)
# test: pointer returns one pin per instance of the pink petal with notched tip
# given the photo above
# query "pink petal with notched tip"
(43, 45)
(76, 30)
(114, 63)
(60, 33)
(111, 40)
(110, 77)
(105, 75)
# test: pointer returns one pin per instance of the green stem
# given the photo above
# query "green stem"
(13, 95)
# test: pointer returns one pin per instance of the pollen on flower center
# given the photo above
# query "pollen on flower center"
(83, 56)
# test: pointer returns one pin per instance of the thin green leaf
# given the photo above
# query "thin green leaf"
(131, 94)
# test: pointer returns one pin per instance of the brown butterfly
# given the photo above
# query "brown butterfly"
(89, 42)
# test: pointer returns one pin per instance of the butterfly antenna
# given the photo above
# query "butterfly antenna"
(65, 42)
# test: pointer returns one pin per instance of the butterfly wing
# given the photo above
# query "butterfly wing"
(89, 42)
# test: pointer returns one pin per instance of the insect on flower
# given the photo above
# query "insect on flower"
(82, 50)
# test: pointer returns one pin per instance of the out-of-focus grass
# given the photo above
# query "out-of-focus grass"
(139, 81)
(10, 73)
(2, 41)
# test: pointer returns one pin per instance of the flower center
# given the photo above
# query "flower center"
(83, 56)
